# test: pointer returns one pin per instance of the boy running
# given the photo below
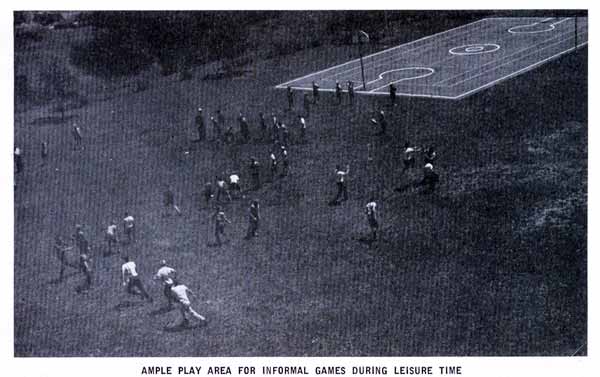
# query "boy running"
(253, 218)
(220, 221)
(340, 180)
(371, 211)
(180, 293)
(111, 237)
(129, 227)
(132, 280)
(169, 201)
(166, 276)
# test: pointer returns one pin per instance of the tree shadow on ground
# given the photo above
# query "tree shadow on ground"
(52, 119)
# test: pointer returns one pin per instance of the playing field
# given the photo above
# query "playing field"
(458, 62)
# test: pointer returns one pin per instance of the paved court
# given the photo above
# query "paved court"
(460, 61)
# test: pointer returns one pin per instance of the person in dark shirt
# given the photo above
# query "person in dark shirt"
(351, 91)
(169, 201)
(338, 92)
(220, 221)
(290, 98)
(253, 218)
(393, 94)
(200, 126)
(315, 90)
(255, 172)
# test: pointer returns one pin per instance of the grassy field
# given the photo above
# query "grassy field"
(493, 263)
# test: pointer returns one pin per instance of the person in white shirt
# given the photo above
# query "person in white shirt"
(409, 156)
(111, 237)
(166, 275)
(340, 181)
(371, 211)
(234, 184)
(221, 189)
(132, 280)
(129, 227)
(180, 292)
(273, 164)
(302, 127)
(285, 163)
(76, 132)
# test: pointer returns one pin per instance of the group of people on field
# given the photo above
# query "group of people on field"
(226, 188)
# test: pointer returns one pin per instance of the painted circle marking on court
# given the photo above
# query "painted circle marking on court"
(514, 29)
(474, 49)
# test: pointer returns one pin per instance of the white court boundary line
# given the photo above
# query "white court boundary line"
(431, 72)
(392, 58)
(457, 97)
(491, 83)
(283, 86)
(552, 27)
(499, 60)
(510, 61)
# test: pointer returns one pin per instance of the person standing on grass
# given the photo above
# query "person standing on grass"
(371, 211)
(216, 129)
(166, 275)
(382, 122)
(338, 92)
(228, 136)
(275, 130)
(221, 188)
(220, 222)
(208, 192)
(60, 248)
(244, 128)
(430, 178)
(290, 98)
(351, 91)
(111, 237)
(44, 152)
(253, 218)
(18, 157)
(81, 240)
(285, 134)
(393, 94)
(263, 126)
(180, 293)
(77, 138)
(341, 176)
(85, 267)
(234, 185)
(273, 164)
(200, 126)
(409, 156)
(169, 201)
(429, 155)
(315, 91)
(129, 227)
(284, 161)
(131, 279)
(306, 103)
(255, 172)
(221, 118)
(302, 127)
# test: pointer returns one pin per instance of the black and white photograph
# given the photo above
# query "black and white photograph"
(300, 183)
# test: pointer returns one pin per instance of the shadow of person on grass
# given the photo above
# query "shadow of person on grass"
(128, 304)
(163, 310)
(183, 326)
